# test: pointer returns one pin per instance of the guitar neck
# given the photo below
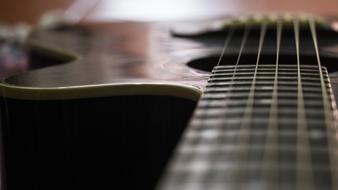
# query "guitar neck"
(259, 126)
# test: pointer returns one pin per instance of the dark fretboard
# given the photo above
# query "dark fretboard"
(259, 127)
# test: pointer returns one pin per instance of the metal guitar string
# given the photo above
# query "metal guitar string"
(242, 45)
(226, 44)
(243, 42)
(270, 154)
(246, 32)
(329, 120)
(227, 40)
(302, 173)
(244, 132)
(201, 124)
(304, 178)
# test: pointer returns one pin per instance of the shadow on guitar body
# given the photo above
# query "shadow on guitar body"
(119, 142)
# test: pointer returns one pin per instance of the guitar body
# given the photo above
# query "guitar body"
(127, 132)
(103, 105)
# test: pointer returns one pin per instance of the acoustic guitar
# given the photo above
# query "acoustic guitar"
(238, 103)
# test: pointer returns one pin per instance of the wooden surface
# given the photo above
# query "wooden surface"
(17, 11)
(153, 10)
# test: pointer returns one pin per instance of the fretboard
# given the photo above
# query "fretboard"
(265, 127)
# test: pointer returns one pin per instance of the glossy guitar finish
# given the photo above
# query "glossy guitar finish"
(81, 123)
(47, 142)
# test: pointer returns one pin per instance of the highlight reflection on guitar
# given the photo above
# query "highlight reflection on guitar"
(241, 103)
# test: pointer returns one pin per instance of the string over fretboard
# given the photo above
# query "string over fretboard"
(208, 156)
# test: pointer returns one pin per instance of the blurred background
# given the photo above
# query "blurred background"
(154, 10)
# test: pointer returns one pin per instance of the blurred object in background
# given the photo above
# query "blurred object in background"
(12, 11)
(13, 54)
(155, 10)
(41, 13)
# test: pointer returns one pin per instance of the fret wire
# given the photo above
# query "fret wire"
(244, 133)
(243, 42)
(304, 179)
(247, 113)
(271, 154)
(226, 44)
(204, 170)
(244, 39)
(332, 141)
(227, 40)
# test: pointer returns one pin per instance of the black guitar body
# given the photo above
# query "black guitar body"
(120, 142)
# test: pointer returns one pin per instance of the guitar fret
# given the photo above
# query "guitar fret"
(258, 111)
(283, 120)
(210, 148)
(264, 83)
(230, 132)
(261, 89)
(221, 104)
(282, 74)
(267, 69)
(284, 66)
(265, 78)
(202, 147)
(254, 165)
(287, 143)
(258, 95)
